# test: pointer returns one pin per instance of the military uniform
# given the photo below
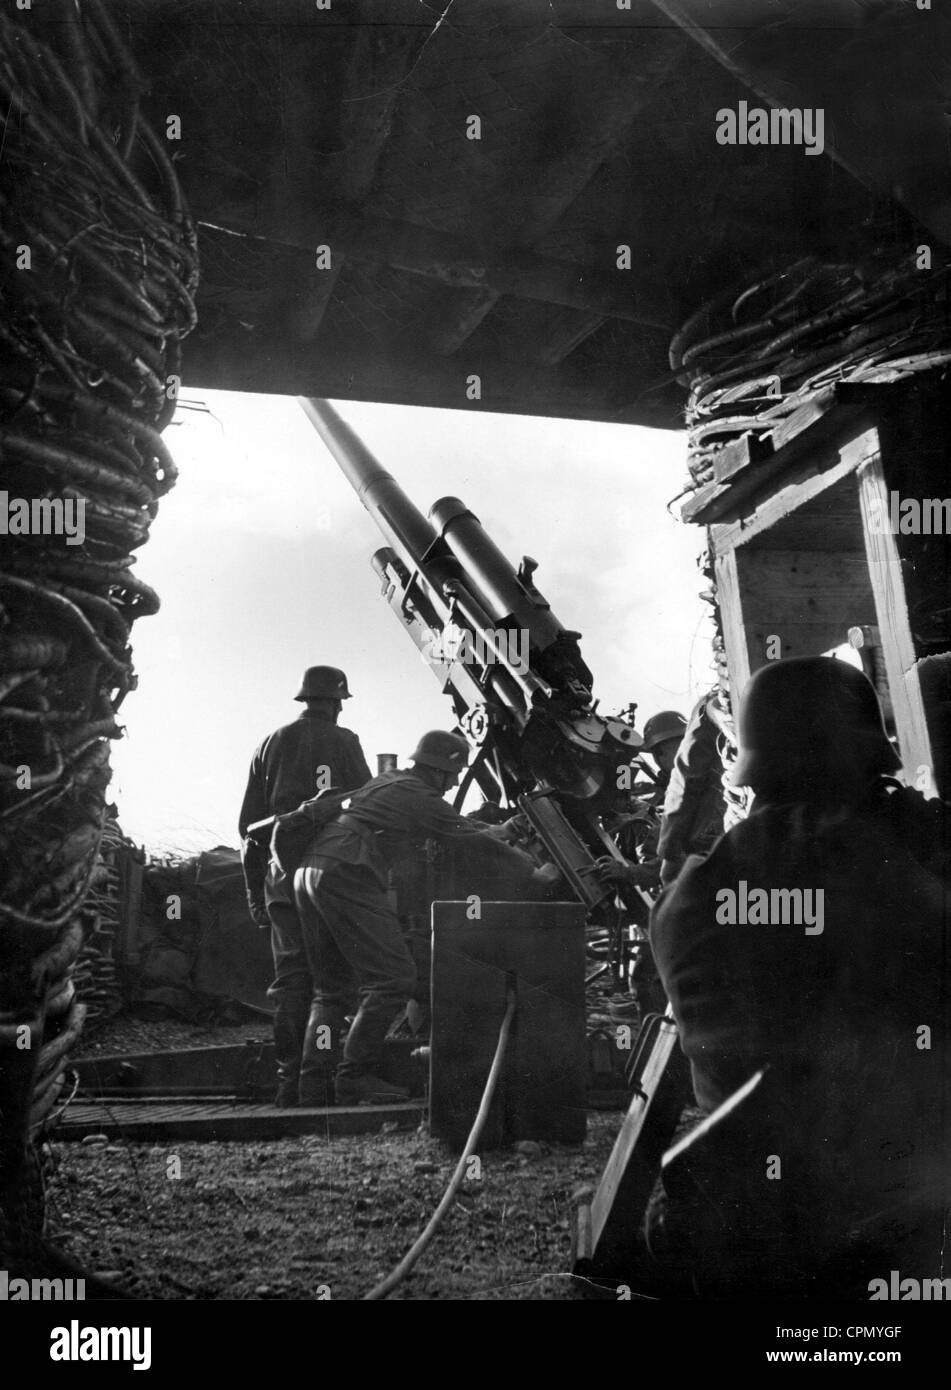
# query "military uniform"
(352, 932)
(841, 995)
(834, 1014)
(284, 769)
(284, 772)
(693, 804)
(638, 838)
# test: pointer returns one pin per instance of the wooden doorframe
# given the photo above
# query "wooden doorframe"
(898, 648)
(860, 458)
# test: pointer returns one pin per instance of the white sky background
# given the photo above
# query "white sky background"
(261, 555)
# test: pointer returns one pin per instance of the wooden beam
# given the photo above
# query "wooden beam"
(803, 586)
(379, 61)
(544, 337)
(452, 261)
(806, 480)
(848, 67)
(225, 1120)
(571, 331)
(898, 648)
(258, 362)
(790, 604)
(751, 467)
(473, 307)
(606, 1241)
(730, 603)
(614, 90)
(461, 315)
(812, 605)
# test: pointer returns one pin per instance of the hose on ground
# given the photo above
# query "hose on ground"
(399, 1273)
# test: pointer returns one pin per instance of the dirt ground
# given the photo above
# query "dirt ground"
(307, 1217)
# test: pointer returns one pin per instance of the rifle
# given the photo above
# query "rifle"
(284, 838)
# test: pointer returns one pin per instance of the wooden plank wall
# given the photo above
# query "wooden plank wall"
(807, 562)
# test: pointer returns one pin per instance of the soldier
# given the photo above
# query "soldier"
(291, 766)
(694, 804)
(835, 982)
(639, 840)
(352, 932)
(662, 735)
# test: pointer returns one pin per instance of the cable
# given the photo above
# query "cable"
(397, 1275)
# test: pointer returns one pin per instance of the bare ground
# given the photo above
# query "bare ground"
(307, 1217)
(280, 1219)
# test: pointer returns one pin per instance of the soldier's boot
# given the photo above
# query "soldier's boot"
(358, 1081)
(290, 1022)
(320, 1055)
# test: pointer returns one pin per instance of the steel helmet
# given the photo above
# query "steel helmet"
(448, 752)
(660, 727)
(810, 723)
(323, 682)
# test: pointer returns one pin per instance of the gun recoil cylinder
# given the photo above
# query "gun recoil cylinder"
(506, 598)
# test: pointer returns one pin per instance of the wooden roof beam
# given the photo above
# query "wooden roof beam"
(263, 362)
(881, 82)
(449, 259)
(379, 62)
(566, 177)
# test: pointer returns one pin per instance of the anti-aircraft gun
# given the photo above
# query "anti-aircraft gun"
(523, 695)
(519, 687)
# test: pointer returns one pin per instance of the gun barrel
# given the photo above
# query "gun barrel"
(505, 597)
(401, 522)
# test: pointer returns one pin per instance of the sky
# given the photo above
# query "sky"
(261, 556)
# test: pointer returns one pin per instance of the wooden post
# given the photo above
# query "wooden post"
(898, 648)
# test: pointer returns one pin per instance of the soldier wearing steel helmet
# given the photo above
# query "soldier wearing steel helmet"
(295, 761)
(640, 869)
(290, 766)
(847, 1011)
(638, 838)
(353, 935)
(662, 735)
(694, 806)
